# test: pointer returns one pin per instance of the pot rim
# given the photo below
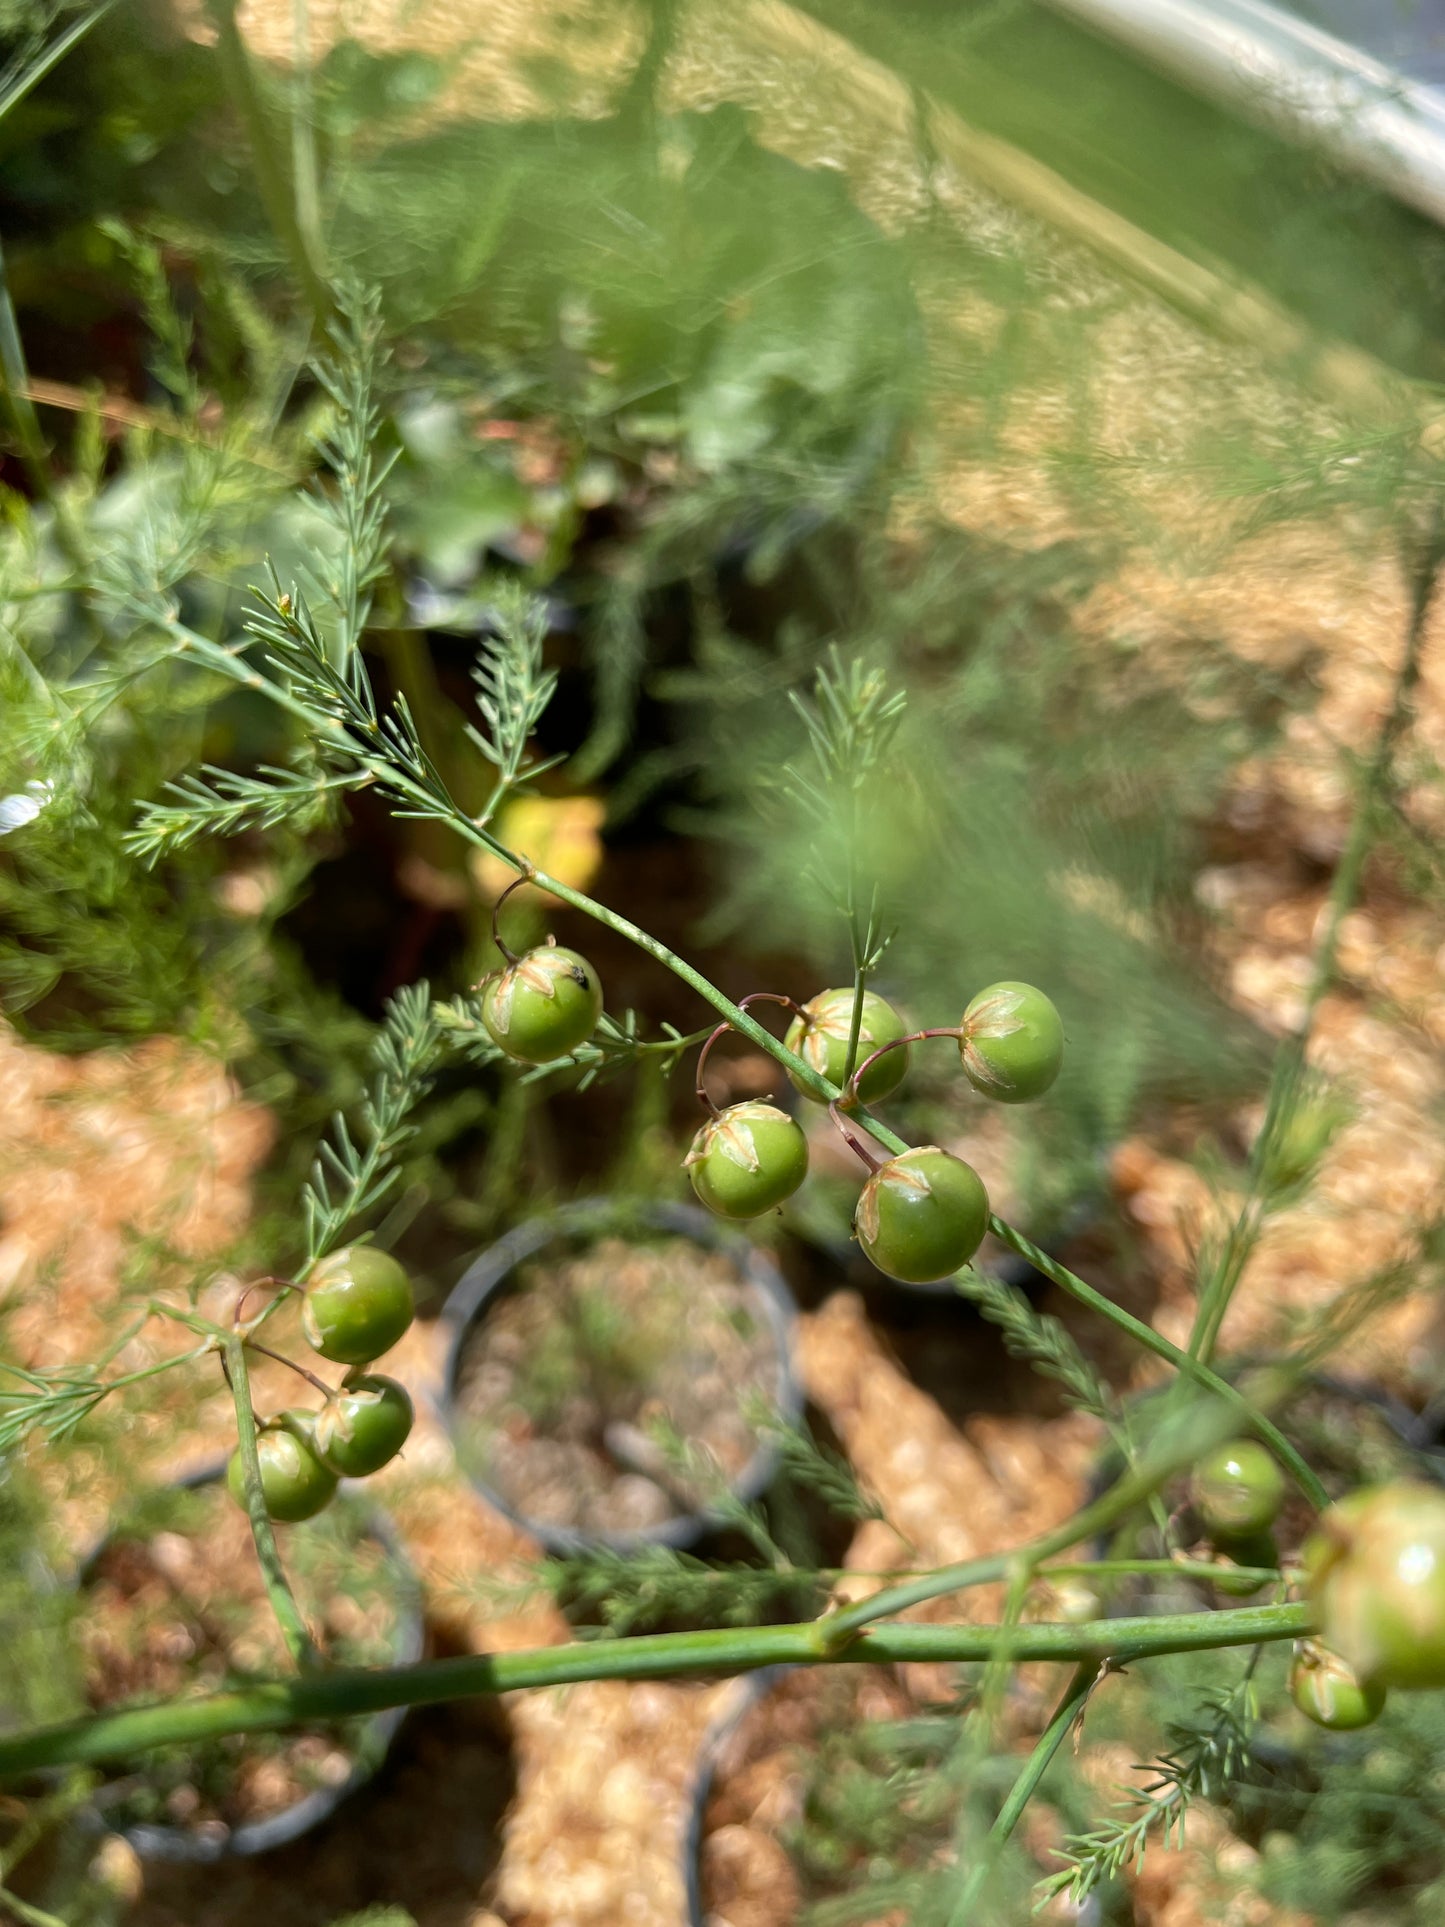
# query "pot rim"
(491, 1275)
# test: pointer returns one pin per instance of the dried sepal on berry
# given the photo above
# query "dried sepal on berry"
(747, 1160)
(1011, 1041)
(364, 1426)
(356, 1305)
(922, 1215)
(1328, 1690)
(543, 1005)
(821, 1036)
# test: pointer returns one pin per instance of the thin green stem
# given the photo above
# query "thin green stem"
(193, 1322)
(855, 1024)
(34, 452)
(26, 1913)
(1289, 1065)
(1129, 1491)
(1146, 1568)
(1023, 1790)
(1254, 1419)
(15, 382)
(272, 1705)
(294, 1631)
(40, 1817)
(305, 174)
(994, 1682)
(50, 57)
(155, 1369)
(271, 174)
(858, 940)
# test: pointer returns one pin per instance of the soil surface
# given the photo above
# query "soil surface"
(612, 1391)
(770, 1842)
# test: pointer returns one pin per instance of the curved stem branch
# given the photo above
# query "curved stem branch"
(753, 997)
(497, 937)
(850, 1089)
(854, 1142)
(280, 1358)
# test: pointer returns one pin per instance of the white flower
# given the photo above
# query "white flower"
(24, 806)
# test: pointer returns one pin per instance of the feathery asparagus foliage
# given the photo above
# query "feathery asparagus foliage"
(348, 1179)
(303, 649)
(1209, 1748)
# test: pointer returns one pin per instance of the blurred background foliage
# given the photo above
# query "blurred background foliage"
(742, 334)
(659, 354)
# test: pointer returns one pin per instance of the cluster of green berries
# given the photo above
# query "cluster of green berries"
(1374, 1570)
(357, 1302)
(356, 1306)
(921, 1215)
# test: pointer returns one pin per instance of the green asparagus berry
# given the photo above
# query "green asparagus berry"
(1012, 1043)
(1327, 1689)
(364, 1426)
(1244, 1549)
(1238, 1488)
(294, 1482)
(357, 1305)
(748, 1160)
(543, 1005)
(820, 1038)
(1375, 1571)
(922, 1215)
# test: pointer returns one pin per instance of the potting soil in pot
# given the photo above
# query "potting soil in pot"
(829, 1782)
(616, 1389)
(176, 1606)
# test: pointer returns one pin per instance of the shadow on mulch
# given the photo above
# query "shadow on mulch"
(424, 1836)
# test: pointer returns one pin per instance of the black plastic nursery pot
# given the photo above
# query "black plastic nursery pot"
(352, 1578)
(577, 1333)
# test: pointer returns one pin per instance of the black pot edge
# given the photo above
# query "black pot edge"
(487, 1276)
(755, 1688)
(176, 1844)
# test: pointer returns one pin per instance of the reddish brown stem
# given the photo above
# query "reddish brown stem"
(497, 939)
(280, 1358)
(753, 997)
(259, 1284)
(850, 1090)
(854, 1142)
